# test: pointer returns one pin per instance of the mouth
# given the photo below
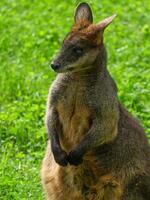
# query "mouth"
(63, 70)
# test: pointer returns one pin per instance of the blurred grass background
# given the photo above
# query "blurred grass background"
(31, 32)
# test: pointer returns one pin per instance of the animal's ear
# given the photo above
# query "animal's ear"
(83, 13)
(103, 24)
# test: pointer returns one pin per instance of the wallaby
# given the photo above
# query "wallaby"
(96, 149)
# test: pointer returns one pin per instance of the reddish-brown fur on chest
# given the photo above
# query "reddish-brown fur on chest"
(75, 118)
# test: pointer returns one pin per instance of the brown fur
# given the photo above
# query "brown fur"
(83, 182)
(85, 117)
(84, 30)
(73, 122)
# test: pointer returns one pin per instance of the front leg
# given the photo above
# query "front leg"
(75, 156)
(52, 123)
(103, 131)
(60, 155)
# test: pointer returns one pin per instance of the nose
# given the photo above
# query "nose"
(55, 66)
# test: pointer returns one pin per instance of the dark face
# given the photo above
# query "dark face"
(76, 54)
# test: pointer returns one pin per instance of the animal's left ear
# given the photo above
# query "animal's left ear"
(83, 13)
(103, 24)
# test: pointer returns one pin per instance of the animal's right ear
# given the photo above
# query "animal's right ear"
(83, 13)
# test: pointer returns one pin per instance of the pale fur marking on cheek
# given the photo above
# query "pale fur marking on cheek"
(85, 60)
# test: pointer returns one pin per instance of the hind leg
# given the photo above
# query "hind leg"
(132, 196)
(138, 189)
(107, 188)
(49, 180)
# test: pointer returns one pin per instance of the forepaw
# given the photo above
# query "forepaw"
(75, 158)
(61, 157)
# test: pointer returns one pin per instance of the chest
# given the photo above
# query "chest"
(73, 101)
(74, 114)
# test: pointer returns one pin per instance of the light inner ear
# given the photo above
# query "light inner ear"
(83, 13)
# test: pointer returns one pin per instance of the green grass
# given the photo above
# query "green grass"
(31, 32)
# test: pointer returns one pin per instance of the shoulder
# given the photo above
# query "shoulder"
(57, 88)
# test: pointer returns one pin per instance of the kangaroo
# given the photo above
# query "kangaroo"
(96, 149)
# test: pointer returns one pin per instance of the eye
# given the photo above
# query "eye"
(78, 50)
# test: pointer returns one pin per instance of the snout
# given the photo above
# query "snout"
(55, 65)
